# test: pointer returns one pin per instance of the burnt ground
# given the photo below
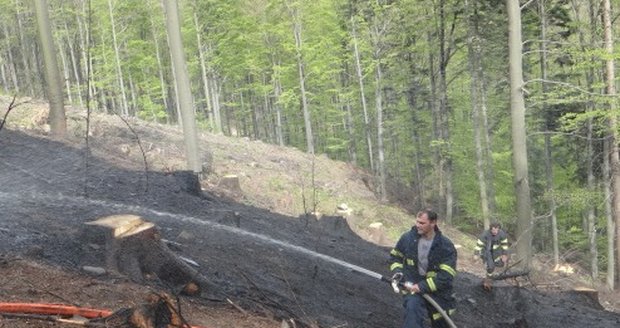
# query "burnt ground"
(263, 266)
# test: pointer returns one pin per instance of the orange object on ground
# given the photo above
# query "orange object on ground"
(57, 309)
(53, 309)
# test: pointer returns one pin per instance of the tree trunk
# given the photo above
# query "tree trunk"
(277, 89)
(444, 121)
(436, 121)
(85, 38)
(360, 79)
(609, 215)
(473, 48)
(119, 71)
(613, 119)
(65, 72)
(380, 150)
(11, 62)
(215, 96)
(548, 122)
(203, 71)
(184, 91)
(519, 146)
(28, 67)
(53, 82)
(75, 69)
(294, 11)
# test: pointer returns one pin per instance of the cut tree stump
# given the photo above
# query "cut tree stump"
(590, 294)
(231, 184)
(157, 311)
(133, 247)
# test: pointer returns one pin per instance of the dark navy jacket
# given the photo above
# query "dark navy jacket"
(441, 265)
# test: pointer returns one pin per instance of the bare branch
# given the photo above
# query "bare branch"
(12, 106)
(569, 86)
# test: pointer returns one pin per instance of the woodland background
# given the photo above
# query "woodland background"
(420, 93)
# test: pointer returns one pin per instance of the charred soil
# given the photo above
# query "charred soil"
(262, 267)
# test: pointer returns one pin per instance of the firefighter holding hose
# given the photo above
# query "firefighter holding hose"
(424, 263)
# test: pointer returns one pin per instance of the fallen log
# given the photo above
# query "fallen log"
(510, 274)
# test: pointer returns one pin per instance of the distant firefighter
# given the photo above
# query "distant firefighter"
(492, 247)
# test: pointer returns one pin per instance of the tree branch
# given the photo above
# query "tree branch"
(12, 106)
(569, 86)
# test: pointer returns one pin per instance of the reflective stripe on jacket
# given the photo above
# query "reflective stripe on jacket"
(498, 243)
(441, 265)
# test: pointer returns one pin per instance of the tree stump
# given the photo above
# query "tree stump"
(231, 184)
(133, 247)
(157, 311)
(591, 296)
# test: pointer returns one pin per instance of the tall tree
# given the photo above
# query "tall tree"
(614, 156)
(184, 91)
(53, 80)
(360, 80)
(473, 51)
(519, 146)
(117, 61)
(542, 10)
(294, 11)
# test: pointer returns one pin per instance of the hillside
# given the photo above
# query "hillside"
(265, 262)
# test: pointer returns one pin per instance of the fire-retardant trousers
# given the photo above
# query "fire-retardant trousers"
(417, 310)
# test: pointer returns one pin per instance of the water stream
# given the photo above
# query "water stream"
(79, 200)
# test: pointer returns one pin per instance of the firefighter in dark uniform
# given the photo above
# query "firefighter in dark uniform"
(425, 261)
(492, 247)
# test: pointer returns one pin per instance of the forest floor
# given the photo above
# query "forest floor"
(267, 263)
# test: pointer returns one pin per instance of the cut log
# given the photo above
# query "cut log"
(133, 247)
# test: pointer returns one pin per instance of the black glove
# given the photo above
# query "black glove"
(397, 276)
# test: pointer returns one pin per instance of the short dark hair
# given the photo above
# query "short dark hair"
(430, 214)
(495, 225)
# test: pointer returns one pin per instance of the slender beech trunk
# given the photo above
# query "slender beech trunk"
(380, 150)
(348, 122)
(5, 81)
(277, 89)
(53, 82)
(519, 146)
(181, 79)
(360, 79)
(473, 50)
(591, 180)
(119, 71)
(74, 68)
(87, 68)
(28, 67)
(613, 119)
(163, 87)
(436, 122)
(294, 11)
(65, 73)
(11, 62)
(203, 70)
(609, 215)
(548, 123)
(217, 111)
(446, 156)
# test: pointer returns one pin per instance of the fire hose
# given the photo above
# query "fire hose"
(396, 285)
